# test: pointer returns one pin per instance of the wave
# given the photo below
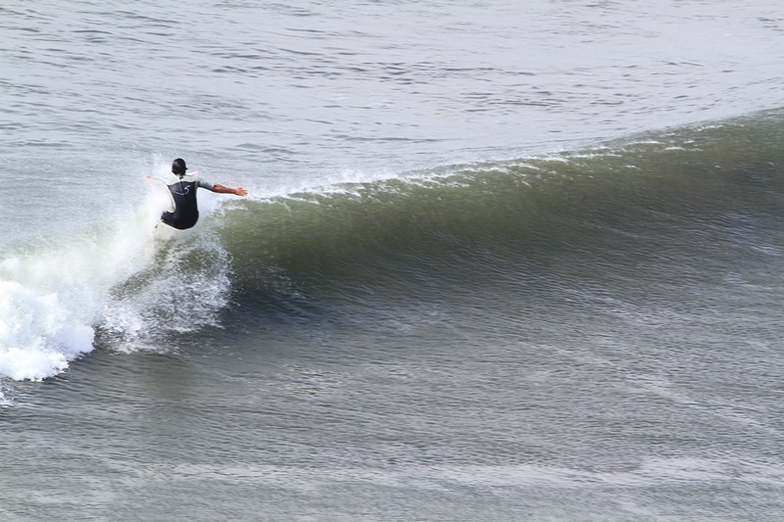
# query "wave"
(665, 196)
(676, 202)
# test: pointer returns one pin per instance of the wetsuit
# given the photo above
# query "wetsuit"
(186, 211)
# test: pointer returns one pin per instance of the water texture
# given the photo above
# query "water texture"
(499, 261)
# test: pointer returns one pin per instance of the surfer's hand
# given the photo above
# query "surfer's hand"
(222, 189)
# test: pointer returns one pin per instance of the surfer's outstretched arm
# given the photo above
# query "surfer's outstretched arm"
(222, 189)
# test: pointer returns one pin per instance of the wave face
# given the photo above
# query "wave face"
(682, 224)
(697, 206)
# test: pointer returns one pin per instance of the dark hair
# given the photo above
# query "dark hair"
(178, 167)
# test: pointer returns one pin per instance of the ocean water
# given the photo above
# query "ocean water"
(500, 260)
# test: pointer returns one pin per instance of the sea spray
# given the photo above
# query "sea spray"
(129, 276)
(52, 295)
(180, 290)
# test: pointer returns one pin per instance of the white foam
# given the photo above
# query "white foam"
(37, 334)
(53, 297)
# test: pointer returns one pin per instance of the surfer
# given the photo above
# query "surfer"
(183, 193)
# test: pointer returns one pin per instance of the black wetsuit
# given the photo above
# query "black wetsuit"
(186, 211)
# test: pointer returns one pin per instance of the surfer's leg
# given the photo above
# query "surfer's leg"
(168, 218)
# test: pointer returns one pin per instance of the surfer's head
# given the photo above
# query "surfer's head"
(178, 167)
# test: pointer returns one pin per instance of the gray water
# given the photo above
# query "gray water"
(500, 261)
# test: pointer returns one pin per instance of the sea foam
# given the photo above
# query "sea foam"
(52, 296)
